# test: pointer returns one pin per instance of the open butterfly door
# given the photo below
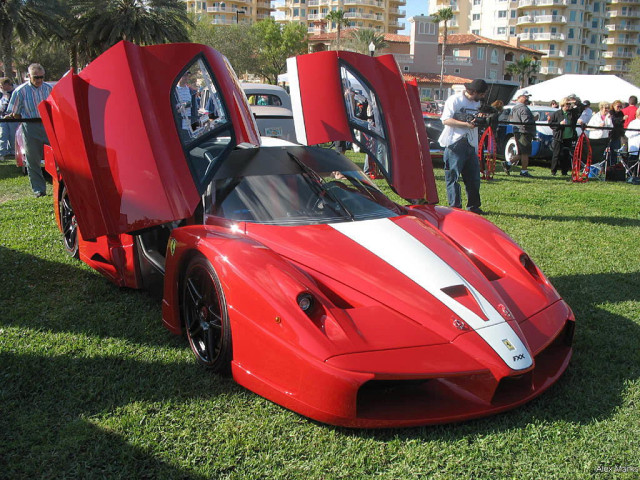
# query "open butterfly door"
(352, 97)
(127, 133)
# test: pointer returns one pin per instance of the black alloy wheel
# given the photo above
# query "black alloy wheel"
(69, 225)
(204, 311)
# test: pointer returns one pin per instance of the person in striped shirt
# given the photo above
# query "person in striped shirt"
(24, 104)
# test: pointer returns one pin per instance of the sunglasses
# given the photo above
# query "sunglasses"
(38, 77)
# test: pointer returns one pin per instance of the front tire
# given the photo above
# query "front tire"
(69, 225)
(206, 320)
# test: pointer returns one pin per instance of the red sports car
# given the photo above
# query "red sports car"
(284, 264)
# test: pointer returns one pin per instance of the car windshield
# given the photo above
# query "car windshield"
(294, 186)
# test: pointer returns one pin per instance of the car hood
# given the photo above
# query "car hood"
(401, 270)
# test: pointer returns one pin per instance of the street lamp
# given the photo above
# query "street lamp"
(372, 49)
(238, 12)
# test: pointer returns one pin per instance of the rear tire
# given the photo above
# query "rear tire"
(69, 225)
(206, 320)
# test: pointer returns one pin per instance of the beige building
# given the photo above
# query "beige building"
(572, 36)
(383, 16)
(230, 12)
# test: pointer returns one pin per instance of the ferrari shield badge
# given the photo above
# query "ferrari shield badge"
(508, 344)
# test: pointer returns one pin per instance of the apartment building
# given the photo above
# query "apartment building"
(384, 16)
(230, 12)
(572, 36)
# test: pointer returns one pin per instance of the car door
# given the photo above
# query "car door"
(348, 96)
(137, 141)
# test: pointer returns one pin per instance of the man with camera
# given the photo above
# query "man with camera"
(459, 138)
(563, 123)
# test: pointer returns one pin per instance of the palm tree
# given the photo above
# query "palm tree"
(337, 17)
(363, 37)
(523, 68)
(26, 19)
(443, 15)
(103, 23)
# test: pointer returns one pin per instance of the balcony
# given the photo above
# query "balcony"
(223, 21)
(398, 25)
(616, 41)
(363, 16)
(264, 5)
(623, 28)
(453, 60)
(403, 58)
(541, 37)
(552, 53)
(397, 11)
(620, 14)
(525, 19)
(617, 2)
(618, 55)
(550, 19)
(541, 3)
(402, 3)
(550, 70)
(616, 68)
(369, 3)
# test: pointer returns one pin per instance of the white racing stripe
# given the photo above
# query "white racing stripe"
(402, 251)
(296, 100)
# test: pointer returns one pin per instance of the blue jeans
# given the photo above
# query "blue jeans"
(460, 158)
(7, 137)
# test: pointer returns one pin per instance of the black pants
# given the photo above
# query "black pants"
(561, 158)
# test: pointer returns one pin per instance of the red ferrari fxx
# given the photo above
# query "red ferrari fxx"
(283, 263)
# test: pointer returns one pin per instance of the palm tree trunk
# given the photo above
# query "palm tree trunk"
(444, 46)
(338, 38)
(7, 55)
(73, 57)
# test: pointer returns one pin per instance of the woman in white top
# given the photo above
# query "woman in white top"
(600, 119)
(634, 136)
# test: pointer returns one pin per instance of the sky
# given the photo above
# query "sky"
(413, 7)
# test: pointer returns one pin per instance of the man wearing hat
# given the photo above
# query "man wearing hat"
(460, 141)
(524, 131)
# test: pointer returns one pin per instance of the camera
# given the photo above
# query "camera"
(473, 116)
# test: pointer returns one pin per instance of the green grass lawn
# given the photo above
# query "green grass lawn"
(92, 385)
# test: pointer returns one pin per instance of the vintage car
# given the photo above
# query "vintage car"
(284, 265)
(434, 127)
(271, 106)
(541, 145)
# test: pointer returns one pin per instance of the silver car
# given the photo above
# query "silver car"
(271, 105)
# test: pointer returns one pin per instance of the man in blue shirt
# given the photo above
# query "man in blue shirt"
(24, 104)
(7, 129)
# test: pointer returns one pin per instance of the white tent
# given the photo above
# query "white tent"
(595, 88)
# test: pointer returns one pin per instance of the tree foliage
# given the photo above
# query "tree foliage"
(634, 71)
(523, 69)
(443, 15)
(236, 42)
(361, 38)
(337, 17)
(275, 43)
(103, 23)
(26, 20)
